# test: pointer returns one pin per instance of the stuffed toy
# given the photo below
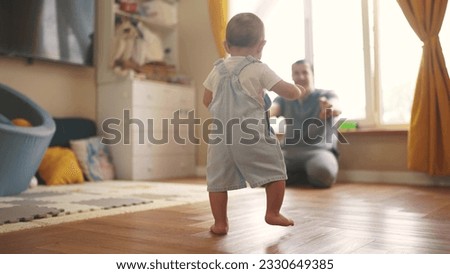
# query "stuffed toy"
(124, 44)
(33, 182)
(149, 48)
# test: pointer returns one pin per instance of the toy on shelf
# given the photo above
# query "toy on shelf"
(137, 48)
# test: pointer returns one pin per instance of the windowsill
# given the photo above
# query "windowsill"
(365, 132)
(374, 131)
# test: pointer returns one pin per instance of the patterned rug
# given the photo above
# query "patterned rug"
(48, 205)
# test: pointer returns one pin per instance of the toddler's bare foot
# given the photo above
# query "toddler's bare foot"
(278, 219)
(219, 230)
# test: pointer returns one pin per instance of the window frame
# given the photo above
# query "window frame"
(373, 92)
(370, 11)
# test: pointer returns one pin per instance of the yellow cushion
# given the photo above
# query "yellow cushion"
(60, 166)
(20, 122)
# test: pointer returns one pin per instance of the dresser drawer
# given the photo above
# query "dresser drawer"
(161, 95)
(158, 117)
(148, 97)
(186, 98)
(155, 117)
(157, 145)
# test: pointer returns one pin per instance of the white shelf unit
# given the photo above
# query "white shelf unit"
(168, 33)
(105, 31)
(144, 99)
(134, 156)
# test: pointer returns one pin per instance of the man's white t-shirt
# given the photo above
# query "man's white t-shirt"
(254, 78)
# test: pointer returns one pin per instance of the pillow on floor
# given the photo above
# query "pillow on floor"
(59, 167)
(94, 158)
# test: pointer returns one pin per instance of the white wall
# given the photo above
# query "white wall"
(197, 53)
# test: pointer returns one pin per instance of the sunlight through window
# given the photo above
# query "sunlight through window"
(339, 53)
(444, 36)
(284, 30)
(356, 52)
(399, 63)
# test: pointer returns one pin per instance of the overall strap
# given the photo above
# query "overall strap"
(247, 61)
(220, 64)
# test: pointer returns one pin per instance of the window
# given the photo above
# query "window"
(444, 36)
(355, 49)
(399, 61)
(338, 53)
(282, 47)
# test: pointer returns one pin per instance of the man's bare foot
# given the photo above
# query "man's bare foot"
(278, 219)
(219, 230)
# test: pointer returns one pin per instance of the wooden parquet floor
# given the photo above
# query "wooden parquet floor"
(348, 218)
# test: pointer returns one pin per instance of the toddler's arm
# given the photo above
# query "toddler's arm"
(275, 110)
(288, 91)
(207, 97)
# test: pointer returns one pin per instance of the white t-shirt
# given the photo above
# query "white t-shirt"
(254, 78)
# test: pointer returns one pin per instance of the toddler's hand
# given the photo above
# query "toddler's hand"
(302, 91)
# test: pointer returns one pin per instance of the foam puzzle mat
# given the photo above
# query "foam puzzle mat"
(43, 203)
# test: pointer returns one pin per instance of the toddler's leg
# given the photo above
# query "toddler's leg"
(218, 202)
(275, 195)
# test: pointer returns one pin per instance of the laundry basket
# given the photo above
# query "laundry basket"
(21, 148)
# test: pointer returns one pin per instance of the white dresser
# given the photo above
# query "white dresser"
(124, 111)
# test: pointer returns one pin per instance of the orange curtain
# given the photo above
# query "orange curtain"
(429, 133)
(218, 16)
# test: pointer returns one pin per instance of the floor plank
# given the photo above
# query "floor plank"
(348, 218)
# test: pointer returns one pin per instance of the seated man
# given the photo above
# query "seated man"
(309, 147)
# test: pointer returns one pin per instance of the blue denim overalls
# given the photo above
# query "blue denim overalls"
(241, 146)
